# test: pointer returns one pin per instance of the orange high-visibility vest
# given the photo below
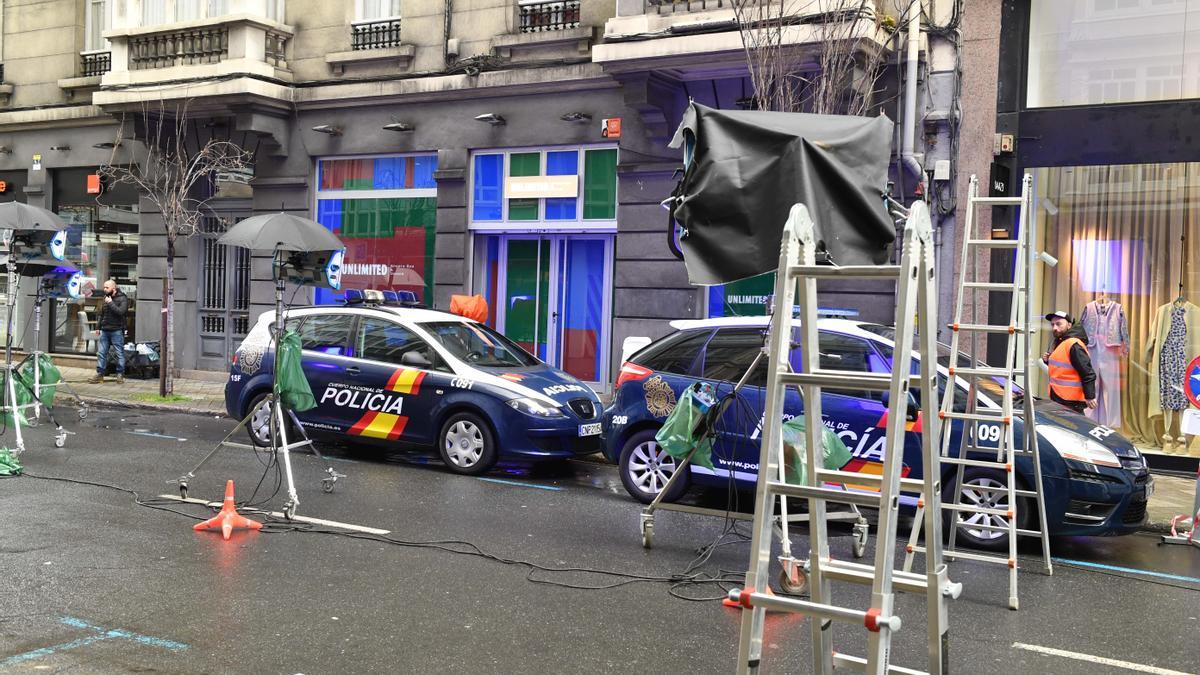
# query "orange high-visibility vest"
(1064, 380)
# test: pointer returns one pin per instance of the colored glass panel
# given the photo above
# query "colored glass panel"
(565, 163)
(581, 307)
(745, 297)
(491, 275)
(524, 164)
(527, 279)
(600, 184)
(381, 173)
(486, 203)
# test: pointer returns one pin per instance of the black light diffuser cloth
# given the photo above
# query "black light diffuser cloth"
(745, 169)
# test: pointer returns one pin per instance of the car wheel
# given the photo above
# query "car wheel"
(982, 488)
(466, 444)
(258, 426)
(645, 469)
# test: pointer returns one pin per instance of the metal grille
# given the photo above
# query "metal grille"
(96, 63)
(548, 16)
(375, 35)
(224, 303)
(583, 408)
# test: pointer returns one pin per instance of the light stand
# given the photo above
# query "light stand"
(36, 354)
(277, 425)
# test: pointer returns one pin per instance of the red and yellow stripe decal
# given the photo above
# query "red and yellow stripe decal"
(915, 427)
(512, 377)
(405, 381)
(380, 425)
(871, 469)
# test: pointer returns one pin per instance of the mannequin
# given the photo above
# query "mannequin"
(1108, 343)
(1174, 341)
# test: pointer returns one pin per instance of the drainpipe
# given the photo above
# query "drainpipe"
(908, 139)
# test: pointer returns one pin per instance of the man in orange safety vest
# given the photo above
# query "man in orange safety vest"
(1072, 379)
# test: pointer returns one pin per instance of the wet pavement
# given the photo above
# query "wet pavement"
(477, 574)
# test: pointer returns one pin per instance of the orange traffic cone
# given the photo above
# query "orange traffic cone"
(228, 519)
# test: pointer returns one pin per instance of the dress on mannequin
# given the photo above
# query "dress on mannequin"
(1174, 341)
(1108, 342)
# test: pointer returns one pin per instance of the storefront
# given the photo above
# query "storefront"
(544, 221)
(102, 239)
(384, 209)
(1101, 98)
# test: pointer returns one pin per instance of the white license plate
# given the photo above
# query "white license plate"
(589, 429)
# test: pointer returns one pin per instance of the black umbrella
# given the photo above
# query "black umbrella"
(18, 216)
(34, 266)
(282, 232)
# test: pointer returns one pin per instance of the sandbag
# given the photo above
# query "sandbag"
(294, 391)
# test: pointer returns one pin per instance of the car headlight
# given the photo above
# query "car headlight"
(1074, 447)
(535, 408)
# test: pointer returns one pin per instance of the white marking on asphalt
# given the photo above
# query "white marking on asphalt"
(1097, 659)
(277, 514)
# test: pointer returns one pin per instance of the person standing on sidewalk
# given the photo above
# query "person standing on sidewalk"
(1072, 378)
(112, 331)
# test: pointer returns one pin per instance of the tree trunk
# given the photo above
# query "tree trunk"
(167, 355)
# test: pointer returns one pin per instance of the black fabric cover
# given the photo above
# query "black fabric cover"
(747, 169)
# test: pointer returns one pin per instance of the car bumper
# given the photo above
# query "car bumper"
(547, 439)
(1105, 505)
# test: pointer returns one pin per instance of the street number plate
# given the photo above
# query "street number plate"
(589, 429)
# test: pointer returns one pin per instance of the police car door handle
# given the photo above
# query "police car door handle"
(353, 370)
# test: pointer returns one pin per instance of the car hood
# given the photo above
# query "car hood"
(543, 382)
(1049, 412)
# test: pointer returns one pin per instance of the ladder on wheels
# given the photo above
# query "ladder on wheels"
(993, 499)
(915, 296)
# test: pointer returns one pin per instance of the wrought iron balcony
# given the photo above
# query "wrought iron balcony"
(96, 64)
(375, 35)
(547, 16)
(186, 47)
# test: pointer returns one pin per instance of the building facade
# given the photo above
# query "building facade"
(508, 148)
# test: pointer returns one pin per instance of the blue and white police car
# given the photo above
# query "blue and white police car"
(1095, 481)
(397, 375)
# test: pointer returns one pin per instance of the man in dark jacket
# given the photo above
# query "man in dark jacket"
(112, 331)
(1072, 379)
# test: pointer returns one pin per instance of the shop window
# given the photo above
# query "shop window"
(561, 164)
(487, 202)
(580, 185)
(1126, 239)
(600, 184)
(521, 165)
(103, 242)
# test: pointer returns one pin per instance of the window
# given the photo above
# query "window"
(97, 21)
(156, 12)
(376, 10)
(558, 188)
(383, 340)
(676, 354)
(325, 333)
(730, 354)
(842, 352)
(479, 345)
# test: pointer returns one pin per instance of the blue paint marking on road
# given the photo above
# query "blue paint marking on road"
(102, 634)
(520, 484)
(1130, 570)
(151, 434)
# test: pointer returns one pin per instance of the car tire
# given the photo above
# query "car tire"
(988, 540)
(258, 422)
(467, 445)
(645, 468)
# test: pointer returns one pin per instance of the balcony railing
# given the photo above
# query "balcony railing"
(547, 16)
(276, 49)
(96, 64)
(180, 48)
(375, 35)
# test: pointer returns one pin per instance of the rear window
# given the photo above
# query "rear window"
(730, 354)
(675, 354)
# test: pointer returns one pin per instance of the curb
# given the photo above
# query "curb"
(146, 405)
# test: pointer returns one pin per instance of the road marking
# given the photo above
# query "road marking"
(519, 483)
(1127, 665)
(151, 434)
(277, 514)
(1130, 570)
(102, 634)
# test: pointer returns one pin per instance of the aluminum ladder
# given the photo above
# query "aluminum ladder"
(915, 279)
(992, 509)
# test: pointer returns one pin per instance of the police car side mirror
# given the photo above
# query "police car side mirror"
(415, 359)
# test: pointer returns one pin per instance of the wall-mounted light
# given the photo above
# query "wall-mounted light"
(61, 148)
(106, 145)
(5, 150)
(328, 129)
(576, 117)
(491, 118)
(398, 126)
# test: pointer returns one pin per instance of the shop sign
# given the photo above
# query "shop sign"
(3, 186)
(539, 187)
(37, 163)
(610, 127)
(93, 184)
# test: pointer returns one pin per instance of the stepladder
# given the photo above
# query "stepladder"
(916, 309)
(989, 438)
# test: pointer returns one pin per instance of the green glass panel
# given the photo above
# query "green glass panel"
(522, 209)
(748, 297)
(600, 184)
(527, 294)
(525, 164)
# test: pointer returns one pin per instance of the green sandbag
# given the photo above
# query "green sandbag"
(795, 446)
(9, 464)
(294, 391)
(50, 378)
(677, 435)
(23, 391)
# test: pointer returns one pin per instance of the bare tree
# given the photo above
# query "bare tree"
(175, 169)
(841, 79)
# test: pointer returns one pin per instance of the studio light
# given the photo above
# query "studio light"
(328, 129)
(576, 117)
(491, 118)
(398, 126)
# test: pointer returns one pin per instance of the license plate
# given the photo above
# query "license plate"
(589, 429)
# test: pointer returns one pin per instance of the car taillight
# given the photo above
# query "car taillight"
(631, 372)
(235, 360)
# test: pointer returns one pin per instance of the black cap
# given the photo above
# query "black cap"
(1060, 315)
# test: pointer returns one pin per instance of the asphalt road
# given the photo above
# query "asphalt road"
(97, 584)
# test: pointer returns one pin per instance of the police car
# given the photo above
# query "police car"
(1095, 481)
(398, 375)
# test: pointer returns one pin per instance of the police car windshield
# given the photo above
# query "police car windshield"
(993, 387)
(479, 345)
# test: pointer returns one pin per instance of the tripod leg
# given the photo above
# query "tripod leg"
(183, 480)
(10, 393)
(332, 476)
(289, 509)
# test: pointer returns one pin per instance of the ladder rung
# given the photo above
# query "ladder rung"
(983, 328)
(846, 272)
(860, 664)
(998, 201)
(982, 463)
(907, 582)
(827, 379)
(982, 372)
(963, 525)
(979, 557)
(1019, 493)
(867, 499)
(994, 243)
(855, 478)
(749, 598)
(972, 417)
(992, 286)
(964, 508)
